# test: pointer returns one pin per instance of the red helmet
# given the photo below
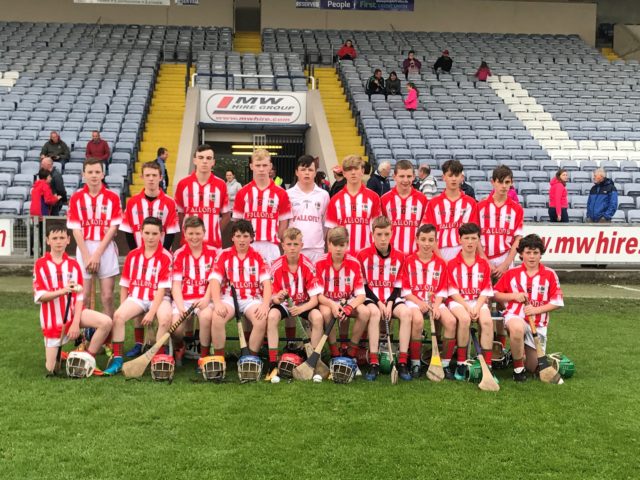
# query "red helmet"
(162, 367)
(287, 363)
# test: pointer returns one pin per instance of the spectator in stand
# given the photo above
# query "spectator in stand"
(558, 202)
(411, 64)
(55, 149)
(512, 194)
(375, 84)
(233, 186)
(340, 181)
(444, 63)
(42, 196)
(379, 181)
(483, 72)
(161, 159)
(57, 185)
(97, 148)
(603, 198)
(321, 181)
(466, 188)
(411, 102)
(393, 85)
(425, 182)
(347, 52)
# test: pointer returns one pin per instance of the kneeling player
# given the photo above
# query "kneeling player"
(243, 268)
(425, 286)
(341, 278)
(192, 264)
(469, 290)
(528, 290)
(57, 279)
(293, 277)
(146, 279)
(382, 266)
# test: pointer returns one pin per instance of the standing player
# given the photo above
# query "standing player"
(425, 286)
(294, 277)
(469, 290)
(405, 206)
(354, 206)
(341, 278)
(145, 280)
(150, 202)
(530, 289)
(94, 215)
(308, 206)
(265, 205)
(192, 265)
(54, 277)
(204, 195)
(382, 267)
(243, 268)
(449, 210)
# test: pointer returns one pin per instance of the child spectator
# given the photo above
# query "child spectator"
(483, 72)
(558, 202)
(42, 197)
(411, 102)
(347, 52)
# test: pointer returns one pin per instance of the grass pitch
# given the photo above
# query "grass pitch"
(108, 428)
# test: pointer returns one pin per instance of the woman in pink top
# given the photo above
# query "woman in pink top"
(411, 102)
(558, 202)
(483, 72)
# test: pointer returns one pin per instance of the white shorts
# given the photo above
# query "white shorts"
(410, 304)
(55, 342)
(449, 253)
(497, 261)
(471, 303)
(108, 262)
(187, 305)
(528, 335)
(313, 254)
(269, 251)
(145, 305)
(243, 304)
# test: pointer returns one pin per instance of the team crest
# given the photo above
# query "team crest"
(365, 207)
(394, 270)
(252, 270)
(160, 214)
(212, 197)
(414, 209)
(542, 289)
(436, 275)
(105, 209)
(154, 270)
(271, 202)
(317, 205)
(480, 277)
(507, 217)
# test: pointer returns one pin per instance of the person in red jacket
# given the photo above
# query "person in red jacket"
(97, 147)
(558, 202)
(42, 197)
(347, 52)
(483, 72)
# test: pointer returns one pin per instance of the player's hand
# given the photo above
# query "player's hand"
(475, 312)
(388, 310)
(147, 319)
(94, 263)
(295, 311)
(202, 303)
(345, 311)
(530, 310)
(262, 311)
(520, 297)
(436, 313)
(336, 311)
(500, 270)
(424, 307)
(74, 331)
(220, 309)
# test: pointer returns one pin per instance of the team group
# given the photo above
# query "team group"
(356, 256)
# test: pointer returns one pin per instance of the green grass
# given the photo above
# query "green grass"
(113, 428)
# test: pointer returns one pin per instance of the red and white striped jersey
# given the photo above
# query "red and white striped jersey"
(355, 213)
(345, 282)
(300, 284)
(382, 274)
(265, 209)
(139, 208)
(425, 279)
(144, 276)
(207, 201)
(543, 288)
(447, 216)
(193, 272)
(499, 225)
(405, 214)
(94, 215)
(49, 276)
(470, 281)
(245, 275)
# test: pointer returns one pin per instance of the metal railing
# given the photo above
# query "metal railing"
(233, 76)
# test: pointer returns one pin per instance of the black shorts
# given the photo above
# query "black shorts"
(284, 313)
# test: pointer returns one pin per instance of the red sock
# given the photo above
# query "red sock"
(487, 354)
(415, 347)
(188, 333)
(218, 351)
(353, 350)
(344, 346)
(273, 355)
(204, 350)
(449, 346)
(138, 334)
(519, 363)
(117, 349)
(334, 350)
(402, 357)
(462, 354)
(373, 358)
(290, 332)
(503, 340)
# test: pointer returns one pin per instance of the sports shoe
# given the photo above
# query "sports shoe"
(97, 372)
(461, 372)
(520, 377)
(179, 355)
(415, 371)
(373, 372)
(358, 372)
(114, 368)
(403, 372)
(294, 346)
(64, 356)
(449, 373)
(135, 351)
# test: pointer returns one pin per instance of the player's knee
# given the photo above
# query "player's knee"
(107, 297)
(516, 330)
(104, 322)
(118, 318)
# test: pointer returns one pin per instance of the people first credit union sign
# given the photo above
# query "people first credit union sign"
(229, 107)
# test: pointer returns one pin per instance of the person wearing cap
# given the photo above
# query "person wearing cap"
(340, 181)
(443, 63)
(411, 64)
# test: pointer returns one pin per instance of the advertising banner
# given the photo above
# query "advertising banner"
(249, 107)
(385, 5)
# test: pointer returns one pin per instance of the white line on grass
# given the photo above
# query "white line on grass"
(626, 288)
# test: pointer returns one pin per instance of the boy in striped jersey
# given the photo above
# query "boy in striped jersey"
(243, 268)
(54, 277)
(145, 280)
(382, 267)
(529, 289)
